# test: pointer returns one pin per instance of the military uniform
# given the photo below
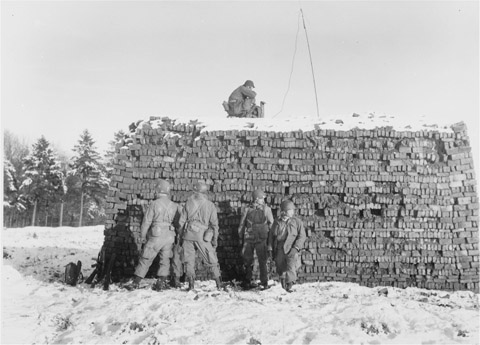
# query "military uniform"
(199, 217)
(177, 263)
(253, 233)
(241, 100)
(159, 231)
(286, 239)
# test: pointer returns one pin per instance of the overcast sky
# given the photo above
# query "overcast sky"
(100, 65)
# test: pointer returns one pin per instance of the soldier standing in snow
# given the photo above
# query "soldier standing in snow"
(253, 233)
(285, 239)
(199, 224)
(158, 231)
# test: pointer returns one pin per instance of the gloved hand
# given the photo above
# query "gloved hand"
(214, 243)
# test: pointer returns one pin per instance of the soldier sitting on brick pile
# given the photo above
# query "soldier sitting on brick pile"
(253, 233)
(158, 231)
(199, 231)
(241, 102)
(286, 239)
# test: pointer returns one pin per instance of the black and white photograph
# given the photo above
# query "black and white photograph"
(240, 172)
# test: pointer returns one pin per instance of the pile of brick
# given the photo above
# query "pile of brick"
(381, 207)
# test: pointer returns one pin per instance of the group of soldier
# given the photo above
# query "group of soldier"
(175, 233)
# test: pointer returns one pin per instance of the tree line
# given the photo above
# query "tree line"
(44, 188)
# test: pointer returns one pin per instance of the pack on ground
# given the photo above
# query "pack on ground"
(73, 272)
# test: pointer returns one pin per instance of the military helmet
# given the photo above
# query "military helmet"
(258, 194)
(200, 187)
(287, 205)
(163, 187)
(249, 83)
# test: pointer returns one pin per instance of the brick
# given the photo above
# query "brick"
(370, 205)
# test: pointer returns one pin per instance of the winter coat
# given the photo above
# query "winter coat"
(241, 100)
(295, 237)
(205, 217)
(160, 218)
(255, 224)
(241, 93)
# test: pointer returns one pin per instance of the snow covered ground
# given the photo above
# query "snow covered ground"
(307, 123)
(38, 308)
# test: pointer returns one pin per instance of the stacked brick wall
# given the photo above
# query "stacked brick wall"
(381, 207)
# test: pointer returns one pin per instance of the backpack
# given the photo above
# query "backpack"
(73, 273)
(256, 224)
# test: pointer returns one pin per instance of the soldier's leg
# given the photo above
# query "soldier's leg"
(247, 106)
(189, 258)
(147, 256)
(177, 264)
(291, 272)
(165, 254)
(247, 254)
(236, 109)
(210, 257)
(281, 263)
(261, 249)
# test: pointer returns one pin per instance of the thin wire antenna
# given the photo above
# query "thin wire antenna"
(311, 62)
(291, 69)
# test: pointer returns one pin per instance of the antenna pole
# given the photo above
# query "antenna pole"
(311, 62)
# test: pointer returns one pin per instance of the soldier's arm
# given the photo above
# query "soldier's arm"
(241, 226)
(213, 223)
(246, 92)
(176, 217)
(301, 237)
(271, 235)
(269, 215)
(182, 219)
(147, 221)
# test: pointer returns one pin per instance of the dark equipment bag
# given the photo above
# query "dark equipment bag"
(73, 273)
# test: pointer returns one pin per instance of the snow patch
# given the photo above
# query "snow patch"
(37, 307)
(339, 123)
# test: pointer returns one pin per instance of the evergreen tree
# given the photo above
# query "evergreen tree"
(43, 178)
(12, 197)
(88, 175)
(14, 202)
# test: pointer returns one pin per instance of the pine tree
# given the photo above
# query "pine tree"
(14, 202)
(90, 174)
(43, 177)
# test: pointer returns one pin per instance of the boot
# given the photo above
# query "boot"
(176, 282)
(160, 284)
(264, 286)
(247, 285)
(288, 287)
(218, 281)
(191, 283)
(282, 282)
(133, 283)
